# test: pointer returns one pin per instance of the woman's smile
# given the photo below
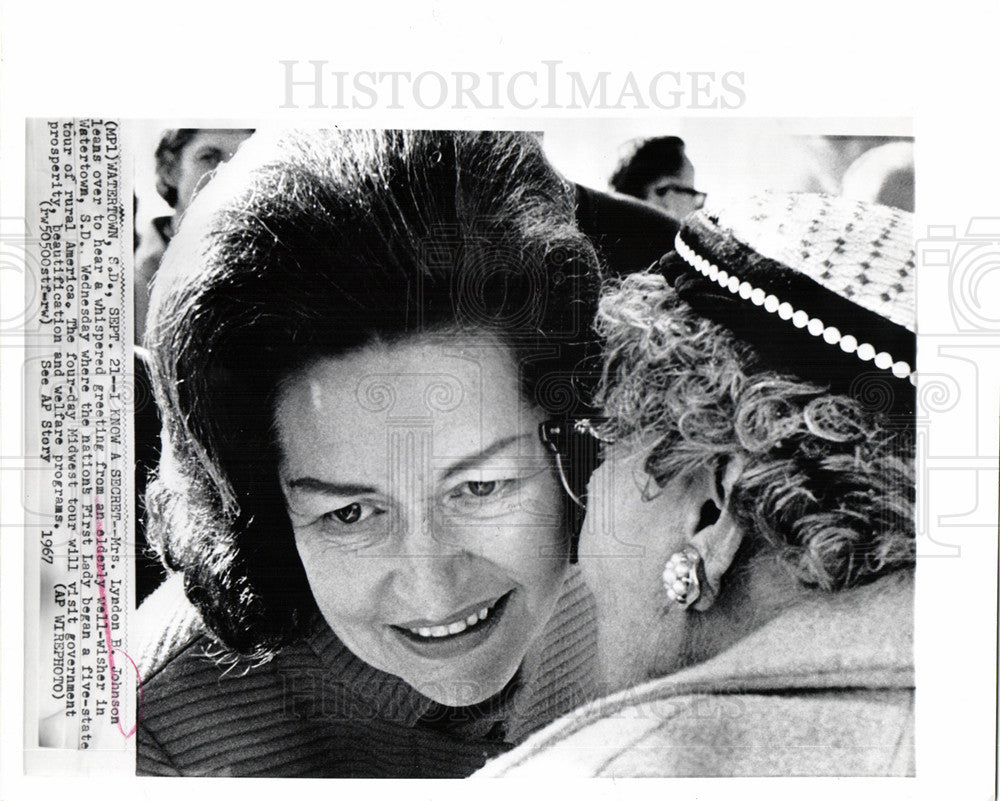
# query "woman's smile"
(466, 619)
(461, 635)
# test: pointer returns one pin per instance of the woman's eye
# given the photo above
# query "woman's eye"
(352, 513)
(212, 157)
(359, 524)
(483, 499)
(482, 495)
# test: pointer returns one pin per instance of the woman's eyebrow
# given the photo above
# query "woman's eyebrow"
(475, 459)
(321, 487)
(318, 486)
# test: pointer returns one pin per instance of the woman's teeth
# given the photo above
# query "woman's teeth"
(453, 628)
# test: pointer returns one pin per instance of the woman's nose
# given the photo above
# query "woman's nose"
(432, 567)
(425, 532)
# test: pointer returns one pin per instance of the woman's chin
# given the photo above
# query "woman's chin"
(461, 692)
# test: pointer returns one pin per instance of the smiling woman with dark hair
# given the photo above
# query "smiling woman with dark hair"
(354, 339)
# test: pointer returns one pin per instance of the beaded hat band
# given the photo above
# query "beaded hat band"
(822, 288)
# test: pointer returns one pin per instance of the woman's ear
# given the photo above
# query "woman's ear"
(718, 536)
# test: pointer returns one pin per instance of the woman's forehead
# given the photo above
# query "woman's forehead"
(450, 396)
(415, 377)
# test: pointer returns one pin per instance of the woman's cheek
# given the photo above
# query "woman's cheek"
(324, 564)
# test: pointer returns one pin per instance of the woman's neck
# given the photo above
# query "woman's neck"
(758, 593)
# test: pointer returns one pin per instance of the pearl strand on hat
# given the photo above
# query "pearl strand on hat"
(799, 318)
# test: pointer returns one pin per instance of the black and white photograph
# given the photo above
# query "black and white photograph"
(436, 399)
(454, 446)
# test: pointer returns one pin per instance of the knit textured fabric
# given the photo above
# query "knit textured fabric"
(861, 251)
(822, 287)
(824, 689)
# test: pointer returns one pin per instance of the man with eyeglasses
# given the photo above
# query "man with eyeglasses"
(658, 171)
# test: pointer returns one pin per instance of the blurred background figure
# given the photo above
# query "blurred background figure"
(869, 160)
(184, 157)
(876, 169)
(658, 171)
(883, 175)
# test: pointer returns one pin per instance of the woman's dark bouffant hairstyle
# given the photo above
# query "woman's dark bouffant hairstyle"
(312, 244)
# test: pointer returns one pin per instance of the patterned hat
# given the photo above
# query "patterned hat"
(822, 287)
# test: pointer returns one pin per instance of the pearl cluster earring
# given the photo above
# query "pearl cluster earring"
(680, 577)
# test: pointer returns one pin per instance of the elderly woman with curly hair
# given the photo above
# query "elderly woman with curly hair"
(354, 338)
(750, 533)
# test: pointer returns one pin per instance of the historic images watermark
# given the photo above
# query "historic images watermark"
(317, 84)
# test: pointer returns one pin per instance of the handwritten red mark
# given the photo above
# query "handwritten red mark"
(99, 537)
